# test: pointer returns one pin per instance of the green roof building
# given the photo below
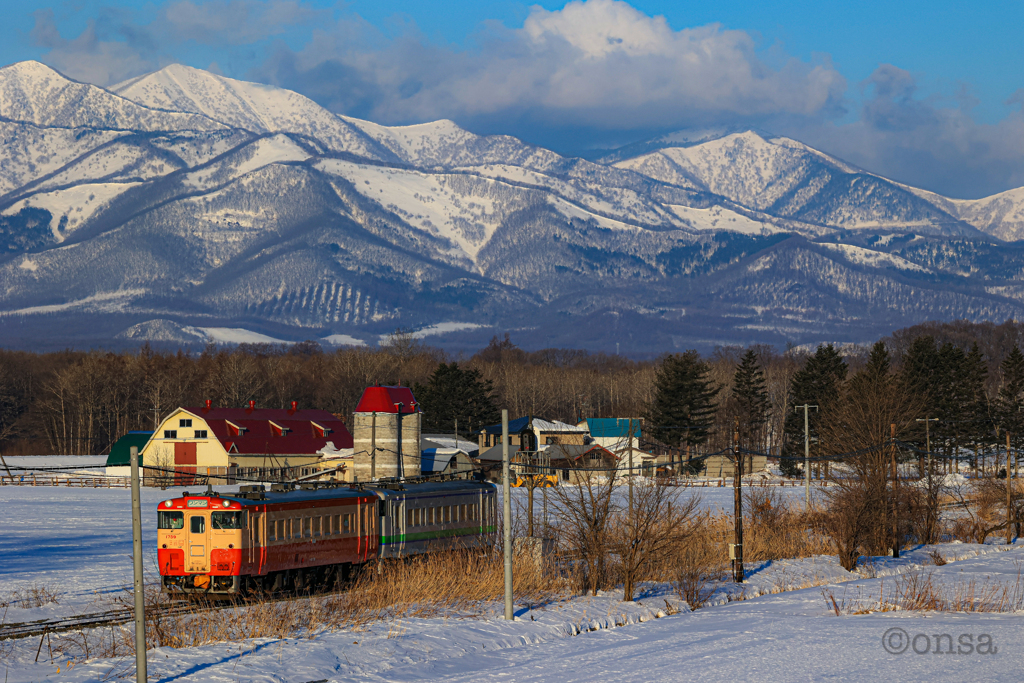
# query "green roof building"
(120, 453)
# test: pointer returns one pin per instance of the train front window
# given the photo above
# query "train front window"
(226, 520)
(170, 520)
(198, 524)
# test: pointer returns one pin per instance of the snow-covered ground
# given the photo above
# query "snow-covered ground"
(77, 542)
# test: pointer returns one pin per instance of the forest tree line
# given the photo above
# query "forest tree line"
(968, 377)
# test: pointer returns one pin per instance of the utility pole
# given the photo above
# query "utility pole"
(807, 454)
(928, 446)
(928, 466)
(629, 441)
(895, 494)
(140, 596)
(507, 517)
(1009, 493)
(401, 463)
(373, 446)
(737, 492)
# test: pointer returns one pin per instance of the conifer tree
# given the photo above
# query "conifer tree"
(817, 383)
(453, 393)
(683, 408)
(750, 397)
(1010, 403)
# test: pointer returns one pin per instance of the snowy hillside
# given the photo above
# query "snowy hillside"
(182, 201)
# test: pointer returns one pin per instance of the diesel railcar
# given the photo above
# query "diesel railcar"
(293, 540)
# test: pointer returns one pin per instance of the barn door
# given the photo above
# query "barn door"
(184, 455)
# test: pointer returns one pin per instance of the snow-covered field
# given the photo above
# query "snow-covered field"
(78, 542)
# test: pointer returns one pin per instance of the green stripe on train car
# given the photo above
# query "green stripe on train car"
(427, 535)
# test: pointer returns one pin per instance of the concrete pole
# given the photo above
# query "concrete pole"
(895, 494)
(401, 465)
(373, 446)
(507, 515)
(737, 490)
(630, 442)
(1009, 493)
(807, 454)
(140, 597)
(807, 458)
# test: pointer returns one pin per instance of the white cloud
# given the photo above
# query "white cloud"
(113, 47)
(931, 142)
(595, 71)
(597, 63)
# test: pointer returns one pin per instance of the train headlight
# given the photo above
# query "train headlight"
(227, 503)
(167, 503)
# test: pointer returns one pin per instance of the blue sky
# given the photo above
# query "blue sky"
(927, 93)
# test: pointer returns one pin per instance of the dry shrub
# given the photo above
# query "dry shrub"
(918, 592)
(456, 583)
(659, 520)
(981, 505)
(36, 595)
(582, 515)
(774, 530)
(700, 561)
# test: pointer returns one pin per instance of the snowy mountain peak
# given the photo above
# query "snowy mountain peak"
(35, 93)
(422, 143)
(250, 106)
(253, 106)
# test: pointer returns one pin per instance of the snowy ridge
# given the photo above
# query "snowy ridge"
(34, 93)
(875, 259)
(250, 106)
(225, 205)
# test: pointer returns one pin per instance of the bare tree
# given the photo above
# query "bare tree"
(660, 519)
(582, 513)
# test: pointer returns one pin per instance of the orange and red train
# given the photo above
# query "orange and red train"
(297, 539)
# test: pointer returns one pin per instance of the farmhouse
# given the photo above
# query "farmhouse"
(532, 433)
(250, 443)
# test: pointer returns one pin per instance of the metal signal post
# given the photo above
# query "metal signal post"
(140, 597)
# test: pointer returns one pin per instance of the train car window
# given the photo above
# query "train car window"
(307, 523)
(337, 524)
(198, 524)
(296, 527)
(282, 529)
(272, 531)
(316, 526)
(408, 517)
(223, 520)
(344, 524)
(170, 520)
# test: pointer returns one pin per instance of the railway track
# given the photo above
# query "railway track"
(79, 622)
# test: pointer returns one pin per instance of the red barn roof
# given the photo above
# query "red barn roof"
(383, 400)
(270, 431)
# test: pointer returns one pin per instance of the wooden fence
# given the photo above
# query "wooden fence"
(52, 480)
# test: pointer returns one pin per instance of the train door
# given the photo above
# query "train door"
(197, 536)
(254, 535)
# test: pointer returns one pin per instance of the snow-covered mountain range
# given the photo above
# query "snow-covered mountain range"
(182, 206)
